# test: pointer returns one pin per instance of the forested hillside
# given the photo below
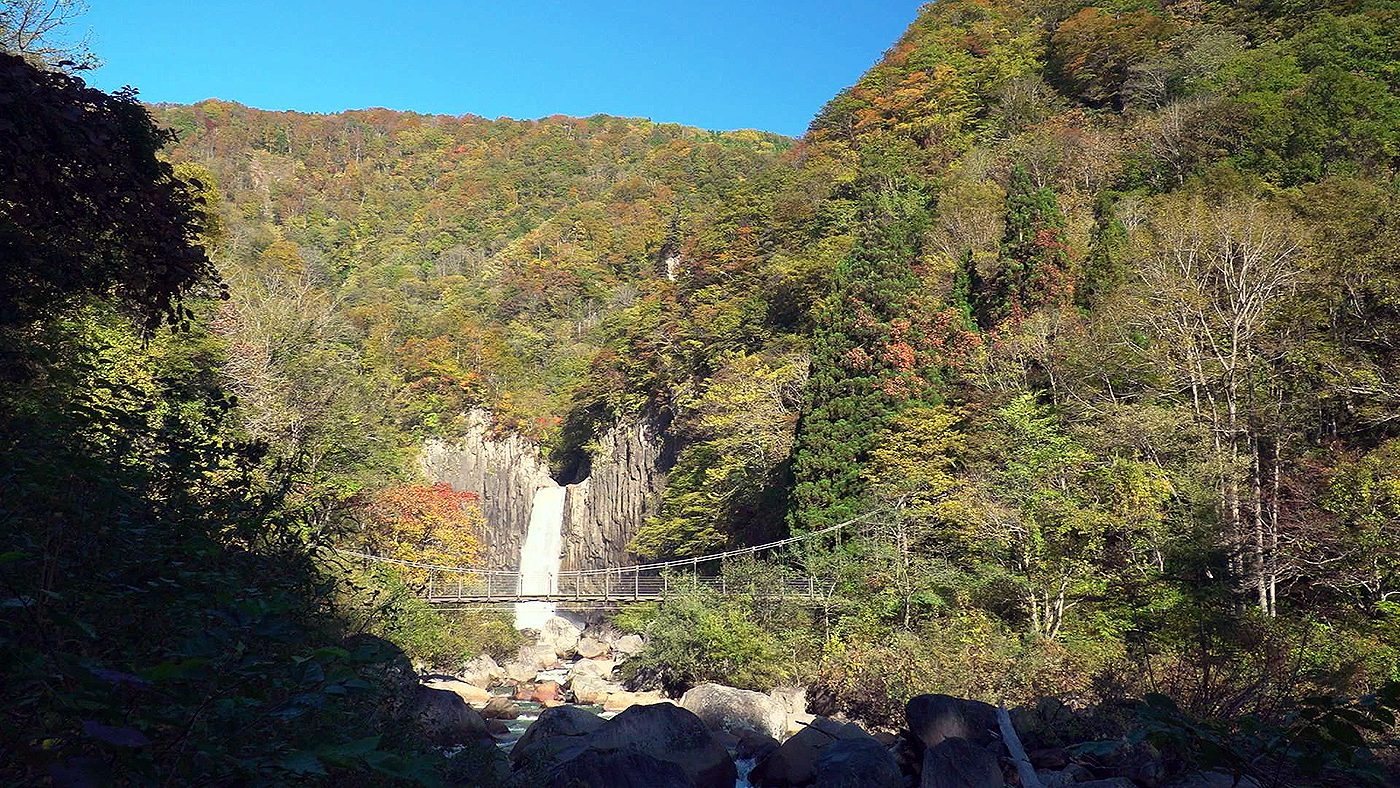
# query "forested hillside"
(1088, 314)
(458, 262)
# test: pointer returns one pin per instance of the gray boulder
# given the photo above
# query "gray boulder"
(560, 635)
(500, 707)
(959, 763)
(856, 763)
(755, 746)
(736, 710)
(795, 762)
(588, 648)
(618, 768)
(933, 718)
(559, 731)
(670, 733)
(792, 699)
(481, 671)
(590, 689)
(1216, 779)
(446, 719)
(627, 645)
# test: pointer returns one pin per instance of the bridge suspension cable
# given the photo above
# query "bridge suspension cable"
(612, 570)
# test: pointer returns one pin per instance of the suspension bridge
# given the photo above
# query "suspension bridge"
(450, 585)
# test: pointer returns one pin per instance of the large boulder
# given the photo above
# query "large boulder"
(621, 701)
(959, 763)
(627, 645)
(736, 710)
(545, 692)
(755, 747)
(617, 768)
(670, 733)
(792, 699)
(1216, 779)
(500, 707)
(795, 762)
(446, 719)
(597, 668)
(468, 692)
(560, 635)
(588, 648)
(481, 671)
(856, 763)
(933, 718)
(560, 731)
(530, 660)
(589, 689)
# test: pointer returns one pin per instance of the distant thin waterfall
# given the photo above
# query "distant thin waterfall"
(539, 557)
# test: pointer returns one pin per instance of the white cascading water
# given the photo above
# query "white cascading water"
(539, 556)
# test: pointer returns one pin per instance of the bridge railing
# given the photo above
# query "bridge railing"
(620, 586)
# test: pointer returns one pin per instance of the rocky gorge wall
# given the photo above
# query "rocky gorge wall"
(623, 487)
(620, 488)
(504, 472)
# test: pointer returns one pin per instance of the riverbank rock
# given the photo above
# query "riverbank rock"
(559, 635)
(627, 645)
(470, 693)
(500, 708)
(1216, 779)
(792, 699)
(481, 671)
(621, 701)
(588, 648)
(528, 661)
(560, 730)
(446, 719)
(670, 733)
(545, 692)
(736, 710)
(589, 689)
(958, 763)
(598, 668)
(755, 747)
(933, 718)
(617, 768)
(856, 763)
(794, 764)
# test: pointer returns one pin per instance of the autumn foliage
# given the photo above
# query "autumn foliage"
(431, 524)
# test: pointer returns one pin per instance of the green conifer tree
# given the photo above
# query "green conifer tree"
(1034, 268)
(869, 358)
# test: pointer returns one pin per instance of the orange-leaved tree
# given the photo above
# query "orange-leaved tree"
(431, 524)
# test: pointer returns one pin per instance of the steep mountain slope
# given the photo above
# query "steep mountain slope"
(449, 262)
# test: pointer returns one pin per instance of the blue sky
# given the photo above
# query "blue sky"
(716, 64)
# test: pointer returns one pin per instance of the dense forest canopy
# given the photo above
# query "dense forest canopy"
(1090, 309)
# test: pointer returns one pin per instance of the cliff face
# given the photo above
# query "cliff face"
(603, 512)
(504, 472)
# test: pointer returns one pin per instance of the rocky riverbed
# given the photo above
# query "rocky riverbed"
(556, 716)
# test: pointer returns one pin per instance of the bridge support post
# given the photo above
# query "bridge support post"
(490, 581)
(430, 584)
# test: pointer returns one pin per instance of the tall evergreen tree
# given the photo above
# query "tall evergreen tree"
(1034, 268)
(869, 357)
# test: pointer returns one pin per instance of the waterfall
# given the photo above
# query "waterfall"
(539, 556)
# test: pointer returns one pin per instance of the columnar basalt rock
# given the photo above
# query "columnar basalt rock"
(603, 512)
(504, 472)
